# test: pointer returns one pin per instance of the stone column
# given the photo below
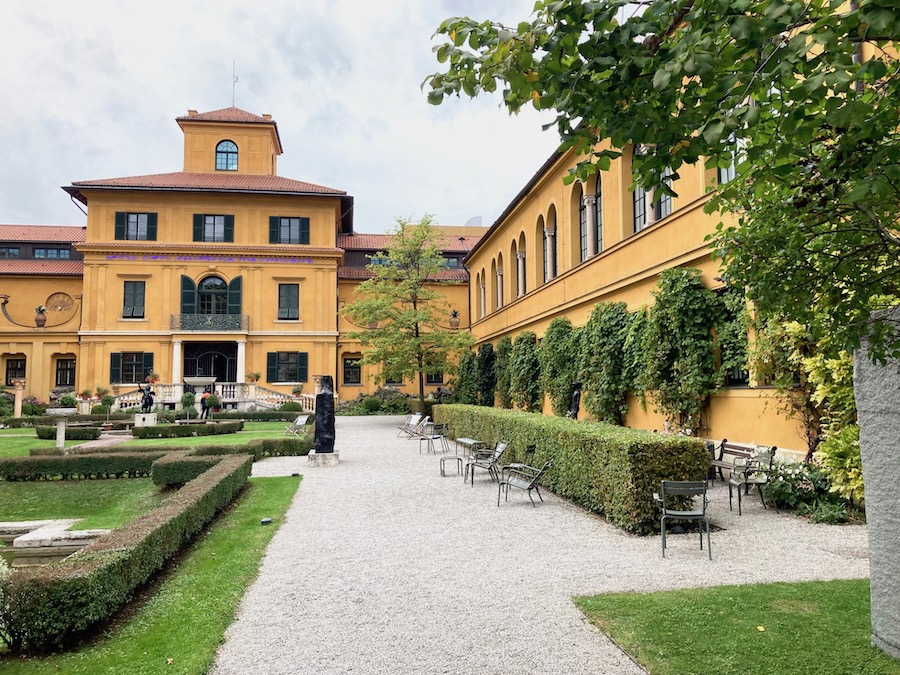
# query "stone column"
(520, 272)
(19, 394)
(549, 243)
(499, 289)
(589, 202)
(241, 360)
(176, 361)
(877, 389)
(482, 309)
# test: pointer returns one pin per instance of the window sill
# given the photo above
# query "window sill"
(352, 384)
(134, 319)
(288, 320)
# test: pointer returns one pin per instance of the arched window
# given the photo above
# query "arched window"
(212, 295)
(226, 156)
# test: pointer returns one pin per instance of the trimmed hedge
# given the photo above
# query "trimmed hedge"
(49, 420)
(177, 469)
(71, 467)
(51, 606)
(259, 416)
(607, 469)
(185, 430)
(72, 433)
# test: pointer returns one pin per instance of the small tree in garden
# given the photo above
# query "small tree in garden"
(526, 373)
(559, 363)
(403, 301)
(187, 403)
(504, 372)
(486, 362)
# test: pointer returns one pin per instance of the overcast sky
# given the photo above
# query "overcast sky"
(91, 90)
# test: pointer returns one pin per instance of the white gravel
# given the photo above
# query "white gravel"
(384, 566)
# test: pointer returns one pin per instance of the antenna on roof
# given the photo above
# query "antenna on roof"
(234, 79)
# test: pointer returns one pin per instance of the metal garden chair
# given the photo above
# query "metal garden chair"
(671, 499)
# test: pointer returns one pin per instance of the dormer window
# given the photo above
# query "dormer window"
(226, 156)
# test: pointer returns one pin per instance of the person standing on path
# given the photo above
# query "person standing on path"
(204, 409)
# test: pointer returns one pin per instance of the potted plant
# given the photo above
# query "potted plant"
(298, 389)
(86, 394)
(253, 377)
(67, 401)
(152, 377)
(40, 316)
(454, 318)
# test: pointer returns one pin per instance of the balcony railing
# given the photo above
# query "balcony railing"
(212, 322)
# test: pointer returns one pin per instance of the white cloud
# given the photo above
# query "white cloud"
(92, 90)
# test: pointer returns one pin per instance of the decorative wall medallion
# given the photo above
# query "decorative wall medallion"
(59, 302)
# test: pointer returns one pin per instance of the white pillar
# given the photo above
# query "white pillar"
(241, 360)
(483, 301)
(589, 203)
(550, 240)
(499, 289)
(176, 361)
(520, 272)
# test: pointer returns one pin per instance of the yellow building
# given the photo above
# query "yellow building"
(222, 270)
(557, 250)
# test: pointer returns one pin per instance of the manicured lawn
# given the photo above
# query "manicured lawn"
(103, 504)
(251, 431)
(812, 627)
(179, 628)
(17, 442)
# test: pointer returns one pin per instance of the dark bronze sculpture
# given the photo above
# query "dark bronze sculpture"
(147, 400)
(325, 417)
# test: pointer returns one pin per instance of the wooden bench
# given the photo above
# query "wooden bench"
(725, 454)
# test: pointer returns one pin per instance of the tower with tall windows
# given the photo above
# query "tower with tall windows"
(223, 269)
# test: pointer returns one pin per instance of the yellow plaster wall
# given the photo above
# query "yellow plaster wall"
(626, 270)
(257, 150)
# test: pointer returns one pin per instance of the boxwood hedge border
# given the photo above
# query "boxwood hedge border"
(607, 469)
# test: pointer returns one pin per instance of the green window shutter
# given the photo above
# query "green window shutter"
(229, 228)
(115, 367)
(234, 295)
(151, 227)
(274, 227)
(272, 367)
(139, 294)
(198, 228)
(288, 301)
(148, 363)
(188, 295)
(134, 299)
(121, 219)
(302, 367)
(304, 230)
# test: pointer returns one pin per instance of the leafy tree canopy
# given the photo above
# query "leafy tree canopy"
(403, 303)
(803, 96)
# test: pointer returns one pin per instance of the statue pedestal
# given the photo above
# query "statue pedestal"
(323, 459)
(145, 420)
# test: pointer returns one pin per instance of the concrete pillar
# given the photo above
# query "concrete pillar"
(241, 360)
(591, 213)
(877, 389)
(550, 244)
(60, 433)
(482, 307)
(19, 394)
(520, 273)
(176, 361)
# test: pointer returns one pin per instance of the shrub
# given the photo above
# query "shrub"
(607, 469)
(467, 381)
(67, 401)
(603, 362)
(825, 511)
(792, 485)
(73, 466)
(72, 433)
(108, 401)
(184, 430)
(99, 409)
(841, 463)
(504, 356)
(525, 382)
(486, 366)
(291, 406)
(255, 416)
(371, 404)
(212, 401)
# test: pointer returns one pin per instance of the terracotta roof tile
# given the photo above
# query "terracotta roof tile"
(376, 242)
(363, 273)
(212, 182)
(55, 233)
(42, 267)
(231, 114)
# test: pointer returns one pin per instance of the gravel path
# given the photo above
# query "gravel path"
(384, 566)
